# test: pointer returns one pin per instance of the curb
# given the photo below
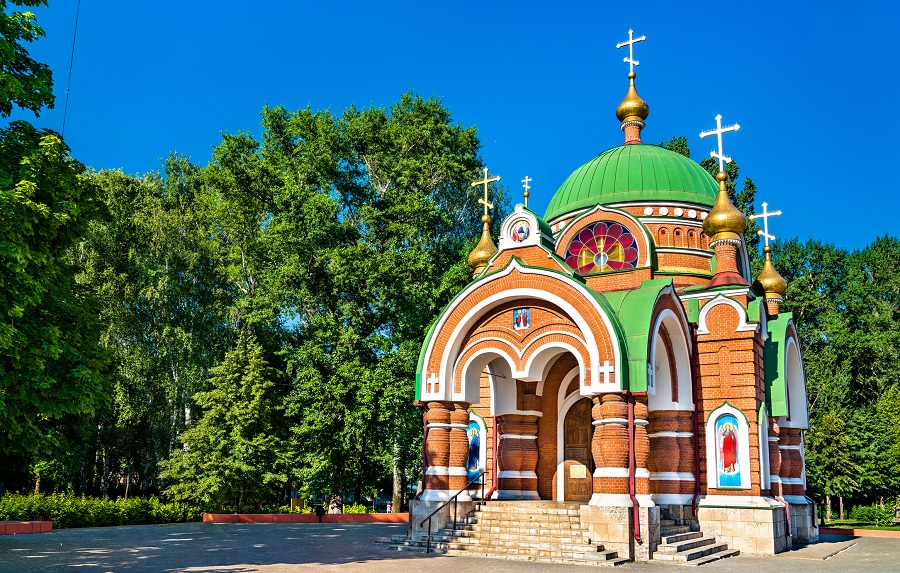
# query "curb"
(305, 518)
(20, 527)
(860, 532)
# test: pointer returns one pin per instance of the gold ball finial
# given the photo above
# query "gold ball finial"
(769, 282)
(632, 108)
(724, 220)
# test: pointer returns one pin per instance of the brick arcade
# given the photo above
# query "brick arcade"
(616, 352)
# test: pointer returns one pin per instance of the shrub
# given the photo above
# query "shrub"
(66, 510)
(356, 508)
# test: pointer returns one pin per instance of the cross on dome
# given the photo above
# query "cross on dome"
(718, 131)
(765, 217)
(487, 180)
(525, 184)
(630, 43)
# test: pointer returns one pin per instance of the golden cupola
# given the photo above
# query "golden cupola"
(769, 282)
(724, 221)
(484, 250)
(632, 112)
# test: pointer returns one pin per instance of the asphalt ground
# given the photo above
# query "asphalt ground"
(282, 548)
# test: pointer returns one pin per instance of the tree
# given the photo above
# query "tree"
(233, 453)
(50, 362)
(24, 82)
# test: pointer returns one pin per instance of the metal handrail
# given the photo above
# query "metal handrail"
(455, 502)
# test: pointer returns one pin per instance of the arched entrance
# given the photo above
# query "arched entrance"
(579, 463)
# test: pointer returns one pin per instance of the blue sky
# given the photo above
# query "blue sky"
(814, 86)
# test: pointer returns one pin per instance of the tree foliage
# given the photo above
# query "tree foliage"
(24, 82)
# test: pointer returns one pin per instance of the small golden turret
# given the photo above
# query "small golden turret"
(632, 108)
(769, 282)
(632, 112)
(484, 250)
(724, 221)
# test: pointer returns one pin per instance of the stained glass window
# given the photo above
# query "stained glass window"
(602, 246)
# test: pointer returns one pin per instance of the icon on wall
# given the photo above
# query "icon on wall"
(521, 230)
(521, 318)
(728, 467)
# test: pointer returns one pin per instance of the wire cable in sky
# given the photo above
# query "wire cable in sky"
(71, 61)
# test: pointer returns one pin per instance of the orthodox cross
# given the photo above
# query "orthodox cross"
(525, 183)
(765, 217)
(487, 180)
(718, 131)
(630, 43)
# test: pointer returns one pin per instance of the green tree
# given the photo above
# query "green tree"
(50, 363)
(24, 82)
(233, 453)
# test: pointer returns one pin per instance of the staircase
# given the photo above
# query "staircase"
(525, 530)
(685, 545)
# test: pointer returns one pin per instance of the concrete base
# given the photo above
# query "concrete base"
(419, 510)
(613, 527)
(756, 526)
(804, 527)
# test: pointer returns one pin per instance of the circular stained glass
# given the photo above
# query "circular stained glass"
(602, 246)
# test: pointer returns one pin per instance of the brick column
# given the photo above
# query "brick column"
(641, 451)
(437, 452)
(726, 263)
(775, 466)
(610, 449)
(671, 461)
(518, 457)
(791, 462)
(459, 447)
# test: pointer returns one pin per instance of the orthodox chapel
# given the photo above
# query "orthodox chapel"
(614, 384)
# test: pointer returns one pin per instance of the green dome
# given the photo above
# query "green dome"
(634, 173)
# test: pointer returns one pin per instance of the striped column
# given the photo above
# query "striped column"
(610, 449)
(671, 463)
(641, 452)
(791, 472)
(446, 449)
(775, 465)
(518, 457)
(459, 448)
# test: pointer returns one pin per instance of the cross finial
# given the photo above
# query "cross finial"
(525, 184)
(630, 43)
(718, 131)
(765, 217)
(487, 180)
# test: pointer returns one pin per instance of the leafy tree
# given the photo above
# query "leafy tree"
(678, 144)
(24, 82)
(50, 363)
(233, 453)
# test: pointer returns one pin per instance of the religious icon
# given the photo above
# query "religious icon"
(729, 471)
(521, 318)
(520, 231)
(473, 463)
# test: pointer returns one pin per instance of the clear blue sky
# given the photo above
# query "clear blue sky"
(813, 85)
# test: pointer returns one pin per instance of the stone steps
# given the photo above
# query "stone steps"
(533, 531)
(691, 548)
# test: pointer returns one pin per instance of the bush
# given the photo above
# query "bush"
(356, 508)
(66, 510)
(873, 514)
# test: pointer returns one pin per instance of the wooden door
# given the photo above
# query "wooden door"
(579, 463)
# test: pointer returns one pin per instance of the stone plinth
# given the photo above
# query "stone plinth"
(613, 528)
(754, 525)
(419, 510)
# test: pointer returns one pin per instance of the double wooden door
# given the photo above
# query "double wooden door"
(579, 463)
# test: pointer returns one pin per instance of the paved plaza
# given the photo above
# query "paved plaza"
(283, 548)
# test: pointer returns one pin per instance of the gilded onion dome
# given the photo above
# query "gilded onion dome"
(724, 221)
(632, 108)
(769, 281)
(484, 250)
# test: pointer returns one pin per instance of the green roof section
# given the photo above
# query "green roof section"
(634, 310)
(630, 173)
(774, 364)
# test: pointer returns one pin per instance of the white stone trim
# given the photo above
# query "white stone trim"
(437, 495)
(790, 447)
(792, 481)
(513, 494)
(611, 500)
(670, 434)
(774, 479)
(561, 392)
(517, 437)
(748, 501)
(685, 251)
(743, 325)
(437, 471)
(672, 476)
(610, 421)
(743, 436)
(795, 378)
(516, 474)
(672, 498)
(565, 404)
(672, 221)
(621, 472)
(763, 442)
(432, 425)
(702, 295)
(661, 398)
(796, 500)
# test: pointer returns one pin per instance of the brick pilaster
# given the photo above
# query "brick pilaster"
(791, 461)
(610, 449)
(518, 457)
(671, 461)
(775, 466)
(459, 446)
(437, 447)
(641, 447)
